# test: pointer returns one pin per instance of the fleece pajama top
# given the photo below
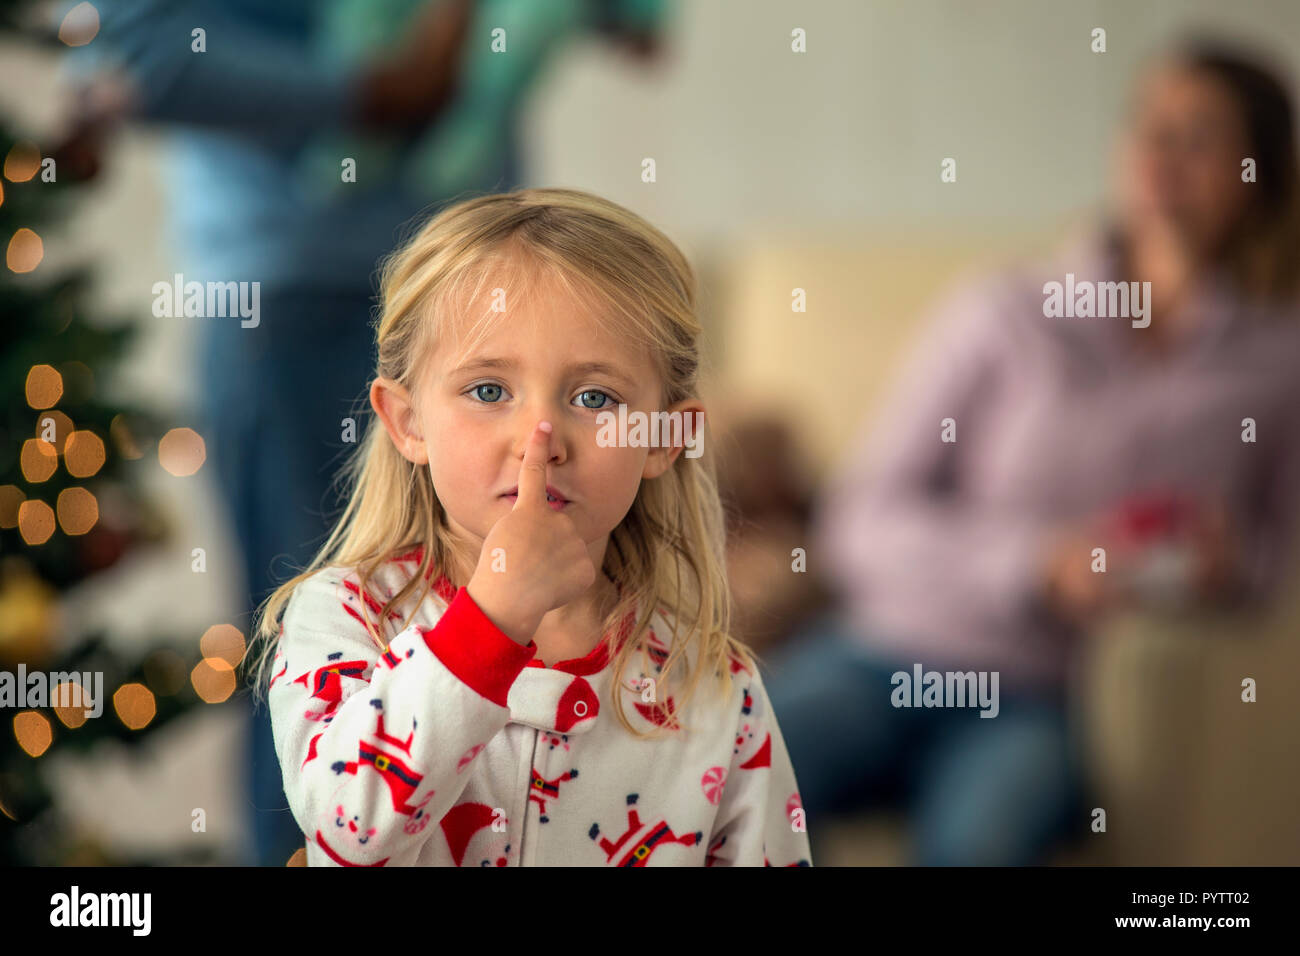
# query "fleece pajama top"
(455, 746)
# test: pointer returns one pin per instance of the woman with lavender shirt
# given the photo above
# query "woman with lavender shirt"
(1067, 434)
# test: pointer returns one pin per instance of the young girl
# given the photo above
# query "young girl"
(513, 648)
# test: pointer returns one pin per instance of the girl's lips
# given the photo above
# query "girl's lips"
(555, 504)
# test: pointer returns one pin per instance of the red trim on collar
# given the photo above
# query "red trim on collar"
(593, 663)
(445, 589)
(599, 656)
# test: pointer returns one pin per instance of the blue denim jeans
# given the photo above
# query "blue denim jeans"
(272, 400)
(977, 791)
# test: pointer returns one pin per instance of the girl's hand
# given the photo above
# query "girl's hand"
(546, 562)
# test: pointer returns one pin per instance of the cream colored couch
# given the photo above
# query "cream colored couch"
(1187, 772)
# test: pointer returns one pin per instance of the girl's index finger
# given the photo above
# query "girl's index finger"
(532, 473)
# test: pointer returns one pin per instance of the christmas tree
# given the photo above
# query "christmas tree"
(71, 462)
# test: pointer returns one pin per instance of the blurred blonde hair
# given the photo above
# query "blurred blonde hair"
(669, 550)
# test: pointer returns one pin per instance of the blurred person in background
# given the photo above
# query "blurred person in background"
(260, 119)
(1070, 434)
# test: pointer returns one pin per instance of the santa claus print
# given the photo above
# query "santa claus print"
(635, 846)
(342, 833)
(386, 759)
(476, 835)
(753, 744)
(553, 740)
(326, 684)
(351, 596)
(543, 790)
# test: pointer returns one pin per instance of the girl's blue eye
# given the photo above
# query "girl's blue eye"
(603, 399)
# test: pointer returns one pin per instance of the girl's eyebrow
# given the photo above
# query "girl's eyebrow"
(575, 368)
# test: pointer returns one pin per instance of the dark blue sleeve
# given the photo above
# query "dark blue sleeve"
(255, 78)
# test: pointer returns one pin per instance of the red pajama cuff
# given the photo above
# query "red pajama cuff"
(476, 650)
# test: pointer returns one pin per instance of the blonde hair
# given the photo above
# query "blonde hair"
(669, 550)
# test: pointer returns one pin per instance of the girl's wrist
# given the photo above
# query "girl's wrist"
(519, 628)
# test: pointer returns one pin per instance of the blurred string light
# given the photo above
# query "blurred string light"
(37, 460)
(11, 497)
(44, 386)
(62, 429)
(134, 705)
(222, 647)
(84, 454)
(33, 732)
(36, 521)
(25, 251)
(213, 683)
(78, 510)
(22, 162)
(80, 26)
(71, 701)
(181, 451)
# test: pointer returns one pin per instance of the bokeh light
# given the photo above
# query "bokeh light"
(38, 460)
(222, 646)
(62, 427)
(44, 386)
(11, 496)
(71, 701)
(78, 510)
(80, 26)
(33, 732)
(35, 521)
(134, 705)
(213, 684)
(84, 454)
(181, 451)
(25, 251)
(23, 162)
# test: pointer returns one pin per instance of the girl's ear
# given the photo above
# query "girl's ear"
(690, 438)
(392, 403)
